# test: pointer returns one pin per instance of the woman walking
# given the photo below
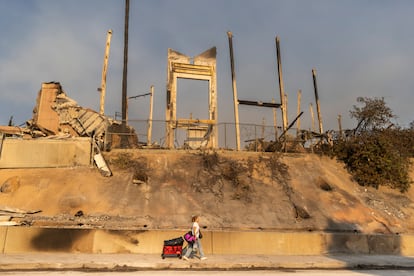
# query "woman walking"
(196, 245)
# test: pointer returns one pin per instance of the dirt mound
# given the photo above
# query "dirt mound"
(231, 190)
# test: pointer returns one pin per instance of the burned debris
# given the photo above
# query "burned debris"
(56, 115)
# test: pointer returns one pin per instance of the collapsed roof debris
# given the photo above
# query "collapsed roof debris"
(57, 116)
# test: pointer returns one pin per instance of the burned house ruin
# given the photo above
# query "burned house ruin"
(200, 132)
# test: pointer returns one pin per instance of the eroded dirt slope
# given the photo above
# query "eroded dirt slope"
(162, 189)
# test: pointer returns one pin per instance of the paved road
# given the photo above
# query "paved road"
(224, 273)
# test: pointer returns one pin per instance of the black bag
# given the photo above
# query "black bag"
(200, 236)
(177, 241)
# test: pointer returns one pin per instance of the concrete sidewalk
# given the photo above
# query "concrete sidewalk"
(132, 262)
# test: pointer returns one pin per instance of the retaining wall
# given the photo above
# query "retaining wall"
(45, 153)
(32, 239)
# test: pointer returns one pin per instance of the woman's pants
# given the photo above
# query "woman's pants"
(193, 247)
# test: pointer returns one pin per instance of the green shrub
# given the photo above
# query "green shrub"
(378, 153)
(374, 159)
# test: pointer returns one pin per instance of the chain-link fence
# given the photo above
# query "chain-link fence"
(253, 137)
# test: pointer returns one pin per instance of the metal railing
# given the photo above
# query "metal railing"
(253, 137)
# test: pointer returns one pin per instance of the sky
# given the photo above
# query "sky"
(359, 48)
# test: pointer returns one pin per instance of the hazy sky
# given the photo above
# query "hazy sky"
(358, 47)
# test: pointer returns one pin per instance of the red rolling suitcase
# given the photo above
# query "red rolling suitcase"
(173, 248)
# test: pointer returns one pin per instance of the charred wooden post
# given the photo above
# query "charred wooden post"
(298, 112)
(286, 109)
(281, 86)
(312, 117)
(286, 121)
(125, 69)
(340, 126)
(275, 119)
(318, 108)
(263, 128)
(102, 89)
(124, 136)
(149, 131)
(235, 98)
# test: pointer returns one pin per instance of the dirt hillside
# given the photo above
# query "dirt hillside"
(230, 190)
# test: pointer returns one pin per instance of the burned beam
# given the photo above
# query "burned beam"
(234, 86)
(318, 106)
(137, 96)
(281, 86)
(11, 130)
(259, 103)
(291, 125)
(125, 70)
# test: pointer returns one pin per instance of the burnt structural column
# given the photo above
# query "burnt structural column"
(125, 71)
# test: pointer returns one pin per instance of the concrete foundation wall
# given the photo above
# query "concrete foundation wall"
(44, 153)
(31, 239)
